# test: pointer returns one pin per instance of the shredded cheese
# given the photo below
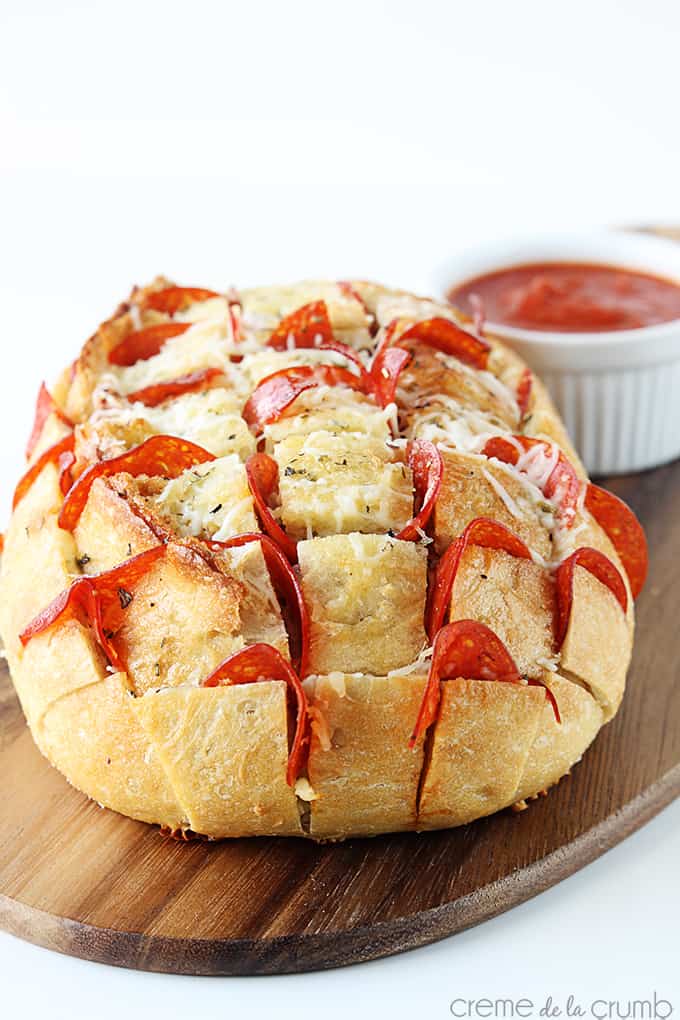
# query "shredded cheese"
(504, 495)
(319, 727)
(303, 790)
(419, 665)
(211, 499)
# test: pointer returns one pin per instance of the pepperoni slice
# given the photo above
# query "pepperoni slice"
(387, 366)
(145, 343)
(349, 291)
(276, 392)
(262, 472)
(524, 389)
(156, 394)
(53, 455)
(65, 464)
(625, 533)
(353, 357)
(286, 586)
(166, 456)
(235, 311)
(101, 600)
(467, 650)
(481, 531)
(446, 336)
(176, 299)
(309, 326)
(532, 457)
(427, 466)
(262, 662)
(601, 567)
(45, 406)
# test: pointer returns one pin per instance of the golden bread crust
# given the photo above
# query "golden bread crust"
(155, 744)
(363, 773)
(479, 751)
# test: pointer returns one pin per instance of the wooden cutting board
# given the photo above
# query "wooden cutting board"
(87, 882)
(90, 883)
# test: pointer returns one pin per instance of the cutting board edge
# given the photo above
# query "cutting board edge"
(303, 953)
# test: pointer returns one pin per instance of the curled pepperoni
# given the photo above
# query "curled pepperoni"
(353, 358)
(446, 336)
(145, 343)
(44, 407)
(387, 365)
(277, 392)
(309, 326)
(625, 533)
(100, 600)
(65, 464)
(467, 650)
(262, 662)
(597, 564)
(349, 291)
(427, 466)
(166, 456)
(235, 312)
(263, 478)
(524, 388)
(562, 485)
(481, 531)
(286, 586)
(57, 455)
(153, 395)
(176, 299)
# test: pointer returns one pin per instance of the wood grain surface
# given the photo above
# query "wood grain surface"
(88, 882)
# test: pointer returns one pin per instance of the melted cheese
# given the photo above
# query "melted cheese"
(537, 463)
(212, 419)
(488, 380)
(404, 306)
(257, 367)
(212, 500)
(511, 505)
(268, 305)
(532, 470)
(449, 425)
(217, 314)
(332, 409)
(333, 484)
(204, 345)
(304, 790)
(214, 310)
(419, 665)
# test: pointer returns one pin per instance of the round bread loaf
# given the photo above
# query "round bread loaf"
(316, 560)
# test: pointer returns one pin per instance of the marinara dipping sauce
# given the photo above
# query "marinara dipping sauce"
(570, 297)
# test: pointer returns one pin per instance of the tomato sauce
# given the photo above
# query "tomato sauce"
(570, 297)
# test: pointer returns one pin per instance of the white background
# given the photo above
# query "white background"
(258, 142)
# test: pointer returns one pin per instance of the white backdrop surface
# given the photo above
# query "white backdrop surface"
(259, 142)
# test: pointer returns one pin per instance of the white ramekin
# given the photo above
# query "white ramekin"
(618, 392)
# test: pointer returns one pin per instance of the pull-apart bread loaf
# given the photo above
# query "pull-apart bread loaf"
(316, 560)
